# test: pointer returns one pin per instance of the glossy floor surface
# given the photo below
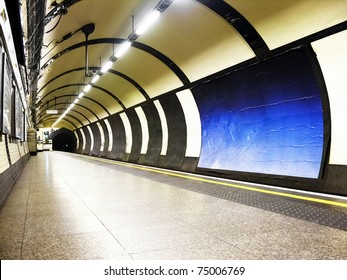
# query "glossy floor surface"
(68, 206)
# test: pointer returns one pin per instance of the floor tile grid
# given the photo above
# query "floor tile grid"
(30, 239)
(101, 222)
(310, 211)
(166, 236)
(284, 253)
(166, 179)
(176, 224)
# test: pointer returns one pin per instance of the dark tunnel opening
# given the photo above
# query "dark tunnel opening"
(64, 142)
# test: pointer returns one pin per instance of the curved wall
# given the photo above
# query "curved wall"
(118, 148)
(155, 134)
(97, 144)
(104, 139)
(177, 132)
(87, 141)
(136, 133)
(265, 123)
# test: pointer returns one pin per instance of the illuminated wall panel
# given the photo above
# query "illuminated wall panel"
(192, 117)
(77, 140)
(144, 129)
(129, 138)
(265, 119)
(164, 128)
(84, 141)
(91, 138)
(332, 55)
(110, 135)
(102, 135)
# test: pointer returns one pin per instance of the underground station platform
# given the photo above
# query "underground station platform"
(69, 206)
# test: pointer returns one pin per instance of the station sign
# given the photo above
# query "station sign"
(52, 112)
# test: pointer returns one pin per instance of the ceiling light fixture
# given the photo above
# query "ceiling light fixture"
(122, 50)
(87, 88)
(106, 67)
(124, 47)
(148, 22)
(95, 79)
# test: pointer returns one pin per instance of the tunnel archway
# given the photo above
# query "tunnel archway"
(64, 140)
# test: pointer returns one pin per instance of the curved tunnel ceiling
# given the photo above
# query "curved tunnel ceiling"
(191, 40)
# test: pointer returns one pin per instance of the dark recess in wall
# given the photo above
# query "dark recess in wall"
(64, 140)
(119, 142)
(155, 134)
(80, 146)
(86, 150)
(177, 130)
(97, 139)
(336, 179)
(137, 135)
(107, 139)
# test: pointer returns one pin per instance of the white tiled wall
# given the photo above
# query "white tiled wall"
(16, 149)
(14, 152)
(4, 164)
(25, 148)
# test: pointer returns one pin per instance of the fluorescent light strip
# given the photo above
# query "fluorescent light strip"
(148, 22)
(106, 66)
(95, 79)
(122, 50)
(87, 88)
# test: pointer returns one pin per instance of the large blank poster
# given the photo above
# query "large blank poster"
(7, 94)
(265, 119)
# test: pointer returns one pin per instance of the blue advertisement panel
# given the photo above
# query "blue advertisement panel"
(265, 119)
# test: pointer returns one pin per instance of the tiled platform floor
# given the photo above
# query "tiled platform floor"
(65, 207)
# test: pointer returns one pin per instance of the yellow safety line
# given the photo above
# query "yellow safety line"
(300, 197)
